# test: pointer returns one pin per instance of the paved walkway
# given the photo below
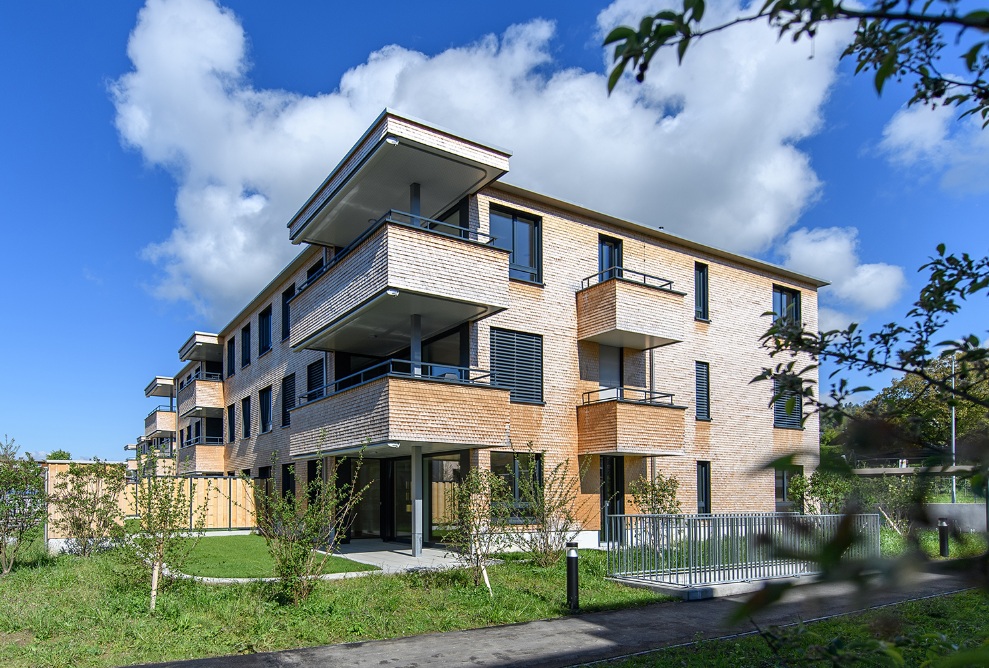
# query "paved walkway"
(395, 557)
(584, 639)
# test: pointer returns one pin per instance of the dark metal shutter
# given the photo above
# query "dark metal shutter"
(288, 399)
(314, 380)
(781, 418)
(703, 372)
(517, 363)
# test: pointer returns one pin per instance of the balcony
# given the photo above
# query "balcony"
(363, 302)
(395, 404)
(202, 457)
(161, 386)
(394, 155)
(201, 396)
(202, 347)
(160, 422)
(630, 421)
(628, 309)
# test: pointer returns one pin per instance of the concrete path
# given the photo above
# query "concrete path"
(587, 638)
(395, 557)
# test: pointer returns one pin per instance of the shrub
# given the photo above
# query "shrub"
(87, 504)
(480, 506)
(657, 496)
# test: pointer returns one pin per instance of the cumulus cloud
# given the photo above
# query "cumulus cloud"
(706, 150)
(933, 141)
(832, 254)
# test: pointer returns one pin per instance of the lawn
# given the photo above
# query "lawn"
(67, 611)
(918, 630)
(247, 557)
(891, 544)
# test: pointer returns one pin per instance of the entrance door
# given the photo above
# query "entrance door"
(612, 491)
(402, 498)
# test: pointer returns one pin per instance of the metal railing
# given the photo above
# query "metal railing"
(701, 550)
(630, 394)
(160, 409)
(626, 275)
(203, 440)
(438, 227)
(460, 375)
(200, 375)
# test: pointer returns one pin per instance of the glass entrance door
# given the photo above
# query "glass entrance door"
(442, 473)
(402, 498)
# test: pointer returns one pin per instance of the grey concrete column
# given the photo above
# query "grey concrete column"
(415, 205)
(415, 345)
(417, 518)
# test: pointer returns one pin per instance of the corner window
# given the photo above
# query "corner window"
(783, 418)
(515, 469)
(245, 416)
(264, 331)
(286, 310)
(231, 355)
(519, 233)
(288, 399)
(786, 306)
(702, 372)
(245, 345)
(517, 363)
(264, 402)
(700, 291)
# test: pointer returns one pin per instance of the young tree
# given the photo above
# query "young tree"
(480, 508)
(86, 501)
(59, 455)
(895, 39)
(657, 496)
(303, 531)
(166, 516)
(22, 501)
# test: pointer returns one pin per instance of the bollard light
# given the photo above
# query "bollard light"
(942, 534)
(572, 585)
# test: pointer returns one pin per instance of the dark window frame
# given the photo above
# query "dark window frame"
(287, 310)
(703, 488)
(702, 390)
(245, 346)
(783, 477)
(786, 306)
(231, 356)
(516, 271)
(231, 423)
(264, 410)
(702, 292)
(245, 417)
(264, 330)
(511, 478)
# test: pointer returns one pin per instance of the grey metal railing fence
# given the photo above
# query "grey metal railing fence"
(697, 550)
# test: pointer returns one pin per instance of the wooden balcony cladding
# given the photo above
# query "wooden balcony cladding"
(159, 421)
(623, 313)
(396, 270)
(202, 459)
(201, 398)
(402, 410)
(622, 427)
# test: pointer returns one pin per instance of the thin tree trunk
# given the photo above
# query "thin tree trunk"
(155, 569)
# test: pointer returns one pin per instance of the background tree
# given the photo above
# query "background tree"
(23, 506)
(657, 496)
(59, 455)
(898, 39)
(86, 501)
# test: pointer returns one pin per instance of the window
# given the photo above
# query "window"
(231, 355)
(519, 233)
(286, 310)
(609, 257)
(288, 479)
(516, 469)
(700, 291)
(314, 381)
(264, 400)
(232, 422)
(517, 363)
(787, 408)
(288, 399)
(703, 382)
(245, 416)
(703, 487)
(245, 345)
(264, 331)
(786, 306)
(784, 502)
(313, 272)
(264, 472)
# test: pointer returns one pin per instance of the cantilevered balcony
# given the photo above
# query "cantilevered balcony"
(632, 421)
(202, 347)
(403, 266)
(386, 408)
(161, 386)
(160, 422)
(201, 396)
(199, 458)
(624, 308)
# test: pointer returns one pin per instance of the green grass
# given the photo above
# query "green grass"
(918, 631)
(67, 611)
(247, 557)
(891, 544)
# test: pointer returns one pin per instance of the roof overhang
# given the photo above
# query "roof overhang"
(202, 347)
(161, 386)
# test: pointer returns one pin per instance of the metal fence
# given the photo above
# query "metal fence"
(700, 550)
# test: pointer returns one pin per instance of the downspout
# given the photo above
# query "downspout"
(652, 389)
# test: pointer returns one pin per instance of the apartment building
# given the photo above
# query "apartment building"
(439, 318)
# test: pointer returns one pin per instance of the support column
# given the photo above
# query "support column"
(414, 203)
(415, 345)
(417, 519)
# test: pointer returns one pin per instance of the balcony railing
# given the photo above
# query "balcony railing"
(631, 394)
(444, 373)
(200, 375)
(626, 275)
(204, 440)
(408, 220)
(160, 409)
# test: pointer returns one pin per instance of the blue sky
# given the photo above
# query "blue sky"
(119, 171)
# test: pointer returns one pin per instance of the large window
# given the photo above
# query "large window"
(264, 331)
(314, 381)
(286, 310)
(231, 355)
(517, 363)
(288, 399)
(518, 470)
(703, 487)
(245, 345)
(700, 291)
(787, 408)
(519, 233)
(232, 422)
(245, 416)
(264, 410)
(702, 371)
(786, 306)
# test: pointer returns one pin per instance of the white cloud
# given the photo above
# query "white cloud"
(832, 254)
(706, 150)
(935, 141)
